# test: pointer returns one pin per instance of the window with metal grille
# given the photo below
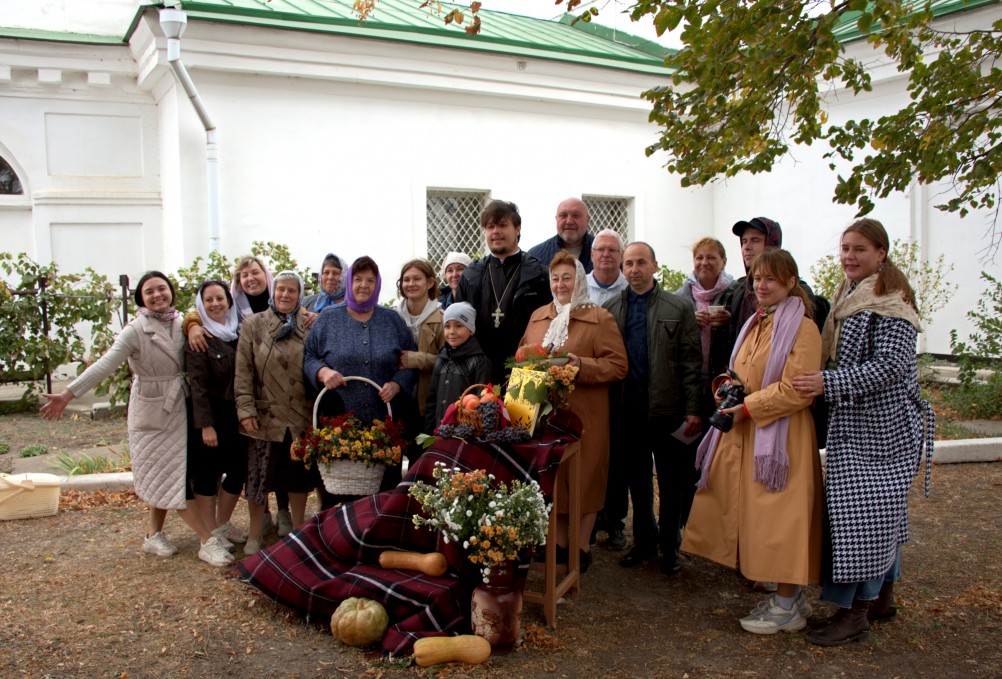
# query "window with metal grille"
(454, 222)
(609, 212)
(9, 183)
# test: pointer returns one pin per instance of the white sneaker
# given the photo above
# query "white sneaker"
(231, 533)
(801, 603)
(159, 544)
(284, 522)
(252, 547)
(213, 553)
(768, 617)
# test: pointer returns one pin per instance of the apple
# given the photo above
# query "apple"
(471, 401)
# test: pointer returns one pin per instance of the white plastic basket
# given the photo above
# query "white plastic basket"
(28, 496)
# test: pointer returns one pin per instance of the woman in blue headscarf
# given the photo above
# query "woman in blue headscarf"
(331, 285)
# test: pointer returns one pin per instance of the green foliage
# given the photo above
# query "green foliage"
(669, 279)
(929, 279)
(4, 448)
(34, 450)
(279, 258)
(978, 399)
(752, 75)
(86, 464)
(72, 299)
(187, 279)
(983, 347)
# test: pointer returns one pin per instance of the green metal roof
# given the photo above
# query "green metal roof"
(405, 21)
(847, 30)
(60, 36)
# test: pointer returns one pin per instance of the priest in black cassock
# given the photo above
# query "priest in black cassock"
(504, 287)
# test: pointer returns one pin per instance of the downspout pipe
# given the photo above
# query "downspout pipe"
(173, 22)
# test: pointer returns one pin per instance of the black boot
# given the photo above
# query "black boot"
(848, 624)
(883, 608)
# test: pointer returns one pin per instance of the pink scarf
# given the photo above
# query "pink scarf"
(703, 299)
(772, 463)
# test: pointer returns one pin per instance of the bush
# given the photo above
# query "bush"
(669, 279)
(4, 448)
(928, 279)
(86, 464)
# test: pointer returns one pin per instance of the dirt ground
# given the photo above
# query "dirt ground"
(79, 599)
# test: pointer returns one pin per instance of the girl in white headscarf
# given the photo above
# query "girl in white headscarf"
(590, 337)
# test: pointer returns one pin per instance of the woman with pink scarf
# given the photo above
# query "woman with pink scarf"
(758, 508)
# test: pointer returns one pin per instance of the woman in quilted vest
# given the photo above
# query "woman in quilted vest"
(876, 428)
(158, 423)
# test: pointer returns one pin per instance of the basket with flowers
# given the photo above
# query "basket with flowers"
(351, 455)
(492, 521)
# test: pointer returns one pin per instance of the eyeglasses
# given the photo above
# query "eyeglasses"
(602, 251)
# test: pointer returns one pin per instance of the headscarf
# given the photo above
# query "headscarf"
(772, 462)
(240, 300)
(288, 319)
(454, 258)
(556, 334)
(850, 299)
(226, 331)
(370, 304)
(323, 299)
(414, 323)
(691, 289)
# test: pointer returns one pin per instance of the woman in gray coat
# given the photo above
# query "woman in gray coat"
(877, 425)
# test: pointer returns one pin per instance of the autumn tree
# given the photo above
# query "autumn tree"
(753, 76)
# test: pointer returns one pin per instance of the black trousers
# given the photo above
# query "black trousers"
(645, 444)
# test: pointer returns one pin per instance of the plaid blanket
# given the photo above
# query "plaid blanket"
(335, 555)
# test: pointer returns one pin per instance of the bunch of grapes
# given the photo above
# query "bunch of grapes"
(490, 415)
(456, 431)
(513, 434)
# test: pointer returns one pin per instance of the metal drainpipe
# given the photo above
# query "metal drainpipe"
(178, 20)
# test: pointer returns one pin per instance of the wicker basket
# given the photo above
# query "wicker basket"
(27, 496)
(350, 477)
(470, 417)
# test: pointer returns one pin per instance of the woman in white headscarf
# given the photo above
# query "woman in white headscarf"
(589, 335)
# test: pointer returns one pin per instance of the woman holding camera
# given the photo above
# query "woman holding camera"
(758, 507)
(876, 425)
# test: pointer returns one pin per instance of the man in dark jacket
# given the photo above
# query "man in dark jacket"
(738, 299)
(504, 287)
(659, 396)
(572, 235)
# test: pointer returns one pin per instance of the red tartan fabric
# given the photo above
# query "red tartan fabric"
(335, 555)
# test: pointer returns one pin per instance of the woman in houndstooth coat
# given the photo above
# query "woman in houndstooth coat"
(876, 429)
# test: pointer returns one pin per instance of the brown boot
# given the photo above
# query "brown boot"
(883, 608)
(848, 624)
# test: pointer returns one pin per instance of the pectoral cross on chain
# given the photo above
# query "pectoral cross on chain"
(498, 317)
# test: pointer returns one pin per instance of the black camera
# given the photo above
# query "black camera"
(732, 391)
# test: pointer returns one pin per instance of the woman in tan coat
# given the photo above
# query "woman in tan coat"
(422, 315)
(758, 507)
(589, 335)
(271, 402)
(158, 423)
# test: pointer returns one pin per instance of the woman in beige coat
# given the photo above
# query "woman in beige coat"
(589, 335)
(271, 403)
(158, 424)
(758, 507)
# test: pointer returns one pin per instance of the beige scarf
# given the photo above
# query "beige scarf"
(849, 302)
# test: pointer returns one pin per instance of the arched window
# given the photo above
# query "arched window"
(10, 185)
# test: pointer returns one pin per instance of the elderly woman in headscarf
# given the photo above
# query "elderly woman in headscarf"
(453, 266)
(590, 337)
(361, 339)
(271, 402)
(331, 285)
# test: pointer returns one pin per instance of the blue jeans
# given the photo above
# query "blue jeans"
(842, 594)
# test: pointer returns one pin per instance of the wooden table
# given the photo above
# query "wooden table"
(570, 469)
